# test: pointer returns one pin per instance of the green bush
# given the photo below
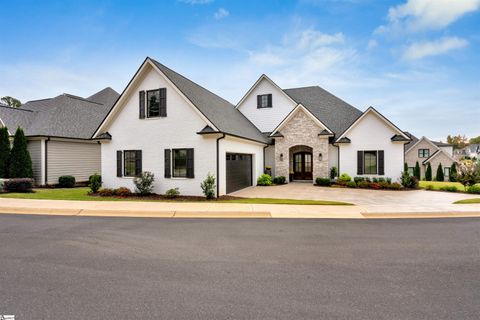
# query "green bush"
(122, 192)
(358, 179)
(66, 182)
(449, 188)
(172, 193)
(333, 173)
(18, 185)
(416, 171)
(428, 173)
(394, 186)
(344, 178)
(106, 192)
(325, 182)
(208, 186)
(4, 152)
(351, 184)
(430, 187)
(389, 180)
(440, 176)
(264, 180)
(20, 163)
(279, 180)
(363, 184)
(453, 173)
(144, 183)
(474, 189)
(409, 181)
(95, 182)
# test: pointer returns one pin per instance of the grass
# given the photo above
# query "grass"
(82, 195)
(438, 184)
(468, 201)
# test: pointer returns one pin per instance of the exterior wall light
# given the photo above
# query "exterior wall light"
(281, 156)
(320, 156)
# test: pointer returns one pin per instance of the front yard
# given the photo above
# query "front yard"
(437, 185)
(81, 194)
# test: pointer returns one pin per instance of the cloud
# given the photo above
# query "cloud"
(417, 15)
(195, 2)
(221, 13)
(419, 50)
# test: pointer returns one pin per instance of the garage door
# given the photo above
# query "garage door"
(239, 171)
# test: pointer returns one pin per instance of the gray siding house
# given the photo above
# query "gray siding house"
(59, 132)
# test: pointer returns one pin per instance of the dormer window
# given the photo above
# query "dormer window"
(264, 101)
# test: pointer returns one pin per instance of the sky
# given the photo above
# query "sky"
(416, 61)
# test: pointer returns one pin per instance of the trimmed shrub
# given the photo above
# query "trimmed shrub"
(122, 192)
(279, 180)
(381, 179)
(208, 186)
(344, 178)
(394, 186)
(264, 180)
(383, 184)
(20, 163)
(408, 181)
(428, 173)
(351, 184)
(95, 182)
(430, 187)
(358, 179)
(325, 182)
(474, 189)
(66, 182)
(449, 188)
(333, 173)
(363, 184)
(18, 185)
(144, 183)
(375, 180)
(405, 167)
(4, 152)
(389, 180)
(375, 185)
(172, 193)
(106, 192)
(453, 173)
(440, 176)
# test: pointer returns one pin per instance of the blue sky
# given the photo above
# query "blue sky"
(417, 61)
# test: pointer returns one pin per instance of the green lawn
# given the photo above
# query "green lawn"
(81, 194)
(468, 201)
(437, 185)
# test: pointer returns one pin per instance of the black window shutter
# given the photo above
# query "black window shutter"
(141, 104)
(190, 163)
(119, 163)
(381, 162)
(138, 162)
(359, 162)
(163, 102)
(270, 100)
(259, 101)
(167, 162)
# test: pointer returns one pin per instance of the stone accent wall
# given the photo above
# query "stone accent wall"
(301, 130)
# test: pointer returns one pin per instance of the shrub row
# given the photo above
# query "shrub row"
(266, 180)
(119, 192)
(18, 185)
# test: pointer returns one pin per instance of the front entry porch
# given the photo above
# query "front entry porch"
(301, 165)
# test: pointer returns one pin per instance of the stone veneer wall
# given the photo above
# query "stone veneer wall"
(301, 130)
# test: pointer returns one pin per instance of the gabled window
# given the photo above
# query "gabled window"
(264, 101)
(153, 103)
(423, 153)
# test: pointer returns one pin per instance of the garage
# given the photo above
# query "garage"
(239, 171)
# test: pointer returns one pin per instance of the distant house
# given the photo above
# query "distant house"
(59, 132)
(427, 151)
(471, 151)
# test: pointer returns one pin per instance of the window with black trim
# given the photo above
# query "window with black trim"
(180, 163)
(153, 103)
(129, 163)
(370, 162)
(423, 153)
(264, 101)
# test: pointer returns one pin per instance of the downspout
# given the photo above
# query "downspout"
(46, 160)
(264, 157)
(218, 163)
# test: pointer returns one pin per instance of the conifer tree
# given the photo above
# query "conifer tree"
(20, 163)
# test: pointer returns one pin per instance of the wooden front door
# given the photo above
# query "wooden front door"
(302, 166)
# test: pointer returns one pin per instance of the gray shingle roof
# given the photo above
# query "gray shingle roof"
(335, 113)
(217, 110)
(65, 116)
(107, 97)
(415, 140)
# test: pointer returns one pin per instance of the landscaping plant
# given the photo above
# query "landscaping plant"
(20, 163)
(468, 173)
(344, 178)
(405, 167)
(474, 189)
(408, 181)
(449, 188)
(122, 192)
(325, 182)
(4, 152)
(106, 192)
(428, 173)
(144, 183)
(351, 184)
(279, 180)
(18, 185)
(333, 173)
(440, 176)
(208, 187)
(172, 193)
(264, 180)
(66, 181)
(95, 182)
(416, 171)
(453, 173)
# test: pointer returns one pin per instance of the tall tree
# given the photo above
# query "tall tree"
(475, 140)
(428, 173)
(453, 173)
(457, 141)
(416, 171)
(20, 163)
(439, 176)
(11, 102)
(4, 152)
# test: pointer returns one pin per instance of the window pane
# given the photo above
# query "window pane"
(370, 160)
(180, 163)
(264, 101)
(308, 162)
(129, 163)
(153, 103)
(410, 170)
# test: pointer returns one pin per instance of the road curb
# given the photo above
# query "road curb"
(420, 215)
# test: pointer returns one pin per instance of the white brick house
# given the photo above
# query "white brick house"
(180, 131)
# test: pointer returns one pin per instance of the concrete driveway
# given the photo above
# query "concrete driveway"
(369, 200)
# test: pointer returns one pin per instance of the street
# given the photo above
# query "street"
(142, 268)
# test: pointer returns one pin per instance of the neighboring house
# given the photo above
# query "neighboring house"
(180, 131)
(427, 151)
(59, 133)
(470, 151)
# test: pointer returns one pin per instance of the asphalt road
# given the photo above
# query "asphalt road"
(121, 268)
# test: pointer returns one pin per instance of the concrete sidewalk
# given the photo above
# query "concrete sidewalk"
(226, 210)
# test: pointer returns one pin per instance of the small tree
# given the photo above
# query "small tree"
(453, 173)
(11, 102)
(440, 176)
(4, 152)
(468, 173)
(208, 187)
(95, 182)
(144, 183)
(20, 163)
(416, 171)
(428, 173)
(333, 172)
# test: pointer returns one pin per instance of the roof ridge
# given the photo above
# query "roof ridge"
(79, 98)
(300, 88)
(13, 108)
(38, 100)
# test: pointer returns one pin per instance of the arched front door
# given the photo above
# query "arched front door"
(302, 166)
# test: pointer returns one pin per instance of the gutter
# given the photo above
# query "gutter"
(218, 163)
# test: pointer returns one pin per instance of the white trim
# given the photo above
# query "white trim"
(262, 77)
(421, 139)
(127, 93)
(437, 153)
(371, 109)
(294, 112)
